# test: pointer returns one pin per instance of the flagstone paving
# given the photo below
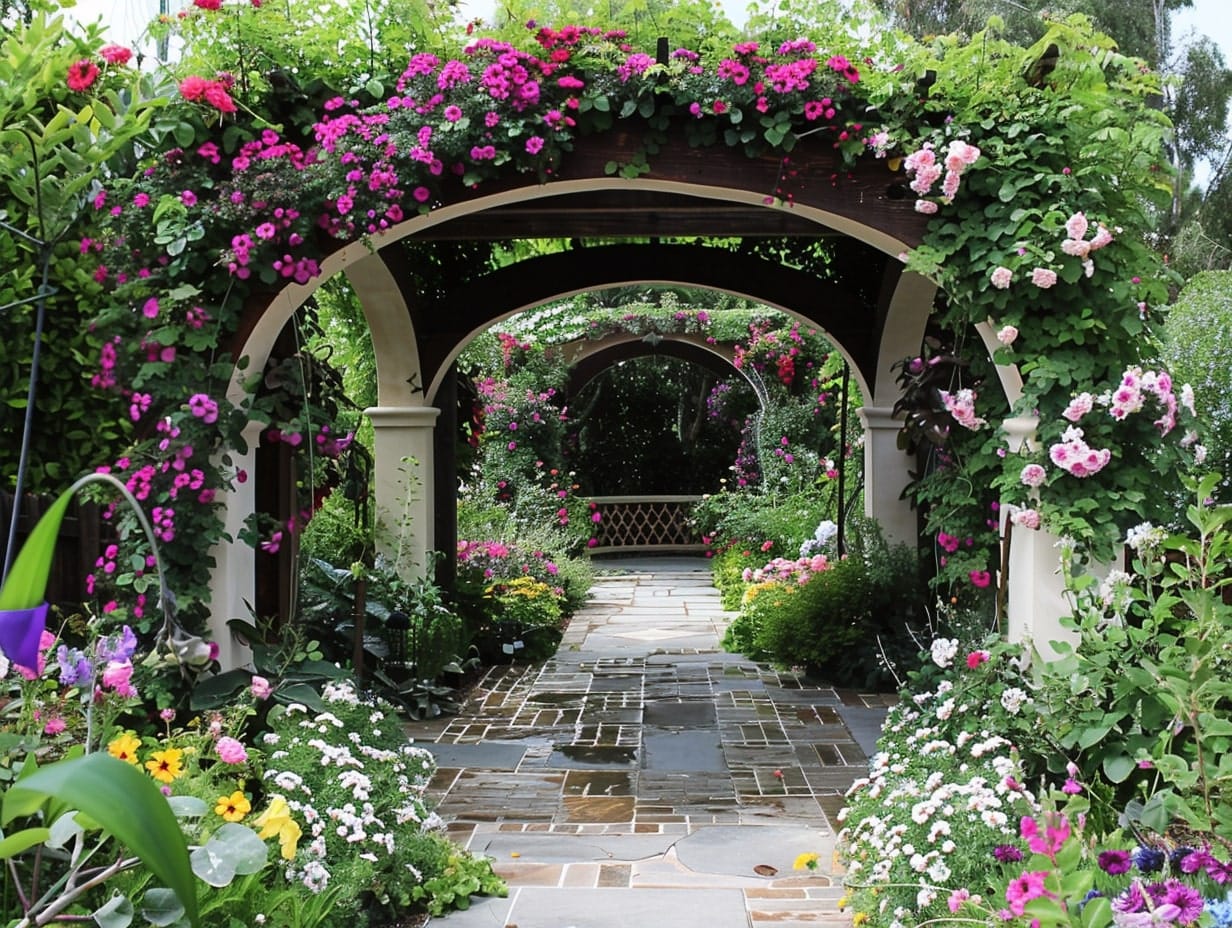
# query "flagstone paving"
(645, 777)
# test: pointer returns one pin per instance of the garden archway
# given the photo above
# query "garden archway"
(874, 310)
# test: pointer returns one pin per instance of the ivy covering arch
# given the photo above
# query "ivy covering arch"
(1039, 168)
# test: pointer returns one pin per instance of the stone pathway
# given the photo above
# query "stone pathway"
(644, 777)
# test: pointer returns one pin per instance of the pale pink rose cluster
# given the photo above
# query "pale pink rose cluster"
(1007, 335)
(1136, 384)
(1074, 456)
(1027, 518)
(1130, 397)
(1079, 406)
(1033, 475)
(1001, 277)
(927, 170)
(1076, 242)
(1043, 278)
(961, 405)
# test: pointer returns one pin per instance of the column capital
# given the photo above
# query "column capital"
(880, 417)
(413, 417)
(1021, 431)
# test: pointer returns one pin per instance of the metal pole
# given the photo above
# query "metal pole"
(840, 545)
(361, 608)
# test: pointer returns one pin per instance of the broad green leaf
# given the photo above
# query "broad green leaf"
(1118, 767)
(23, 840)
(234, 850)
(117, 912)
(1097, 913)
(185, 134)
(123, 801)
(161, 907)
(188, 806)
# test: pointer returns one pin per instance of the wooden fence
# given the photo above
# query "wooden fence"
(647, 523)
(83, 536)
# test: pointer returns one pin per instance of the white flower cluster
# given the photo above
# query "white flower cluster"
(931, 808)
(944, 650)
(352, 790)
(1013, 699)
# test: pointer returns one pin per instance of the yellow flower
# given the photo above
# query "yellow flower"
(859, 919)
(276, 820)
(165, 766)
(807, 860)
(843, 902)
(124, 747)
(234, 807)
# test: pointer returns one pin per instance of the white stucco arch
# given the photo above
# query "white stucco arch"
(404, 421)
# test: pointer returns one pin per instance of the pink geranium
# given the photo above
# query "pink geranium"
(115, 54)
(231, 751)
(81, 75)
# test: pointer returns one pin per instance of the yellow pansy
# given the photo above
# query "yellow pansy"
(277, 820)
(859, 919)
(806, 861)
(165, 765)
(124, 747)
(234, 807)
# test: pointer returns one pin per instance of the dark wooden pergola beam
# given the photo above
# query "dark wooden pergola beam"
(623, 215)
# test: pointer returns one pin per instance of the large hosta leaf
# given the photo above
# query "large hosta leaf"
(124, 802)
(233, 850)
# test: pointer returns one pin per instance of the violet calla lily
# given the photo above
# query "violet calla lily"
(23, 609)
(20, 633)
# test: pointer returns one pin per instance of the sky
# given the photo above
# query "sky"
(127, 17)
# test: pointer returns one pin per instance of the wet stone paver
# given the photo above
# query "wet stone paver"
(644, 767)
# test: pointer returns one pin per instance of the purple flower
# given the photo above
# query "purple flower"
(1007, 854)
(1173, 892)
(1131, 900)
(118, 648)
(75, 667)
(1196, 861)
(1114, 863)
(1148, 859)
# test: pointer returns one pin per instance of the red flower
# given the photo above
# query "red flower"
(975, 658)
(980, 578)
(81, 74)
(208, 4)
(216, 96)
(193, 87)
(115, 54)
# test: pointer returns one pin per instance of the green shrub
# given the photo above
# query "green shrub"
(843, 622)
(728, 567)
(526, 620)
(770, 525)
(816, 623)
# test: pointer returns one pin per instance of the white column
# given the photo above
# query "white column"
(1036, 597)
(233, 579)
(403, 483)
(886, 475)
